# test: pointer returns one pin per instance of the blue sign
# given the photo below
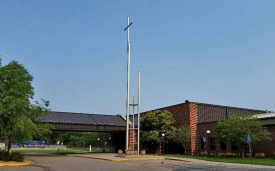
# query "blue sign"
(204, 139)
(248, 139)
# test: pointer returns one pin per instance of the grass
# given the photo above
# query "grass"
(62, 152)
(256, 161)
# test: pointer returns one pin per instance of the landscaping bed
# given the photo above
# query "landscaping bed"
(14, 156)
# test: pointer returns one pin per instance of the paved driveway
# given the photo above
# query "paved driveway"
(69, 163)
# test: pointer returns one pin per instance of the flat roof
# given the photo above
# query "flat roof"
(265, 115)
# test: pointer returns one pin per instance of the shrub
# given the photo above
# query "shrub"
(260, 155)
(220, 154)
(16, 156)
(273, 152)
(231, 155)
(6, 156)
(2, 154)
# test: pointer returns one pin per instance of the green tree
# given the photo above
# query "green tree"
(236, 128)
(19, 119)
(54, 137)
(154, 124)
(182, 136)
(81, 139)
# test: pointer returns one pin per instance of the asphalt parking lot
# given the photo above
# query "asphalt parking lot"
(70, 163)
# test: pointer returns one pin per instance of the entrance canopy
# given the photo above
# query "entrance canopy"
(67, 121)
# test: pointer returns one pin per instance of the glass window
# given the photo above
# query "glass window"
(234, 147)
(212, 144)
(223, 146)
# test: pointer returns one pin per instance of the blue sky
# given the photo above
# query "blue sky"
(217, 52)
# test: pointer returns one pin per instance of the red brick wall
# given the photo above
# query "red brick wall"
(267, 147)
(180, 113)
(201, 132)
(202, 128)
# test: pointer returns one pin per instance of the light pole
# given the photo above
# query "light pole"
(208, 132)
(110, 144)
(163, 142)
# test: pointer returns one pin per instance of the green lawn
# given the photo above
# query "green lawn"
(94, 150)
(257, 161)
(61, 152)
(24, 151)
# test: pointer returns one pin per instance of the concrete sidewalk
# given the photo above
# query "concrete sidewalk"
(219, 163)
(115, 157)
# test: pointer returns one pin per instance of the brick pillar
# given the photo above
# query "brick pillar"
(193, 124)
(131, 138)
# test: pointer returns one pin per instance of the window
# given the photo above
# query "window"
(223, 146)
(212, 144)
(234, 147)
(202, 144)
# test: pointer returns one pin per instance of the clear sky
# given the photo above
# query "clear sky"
(217, 52)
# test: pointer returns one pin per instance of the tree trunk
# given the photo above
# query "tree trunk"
(8, 146)
(159, 151)
(184, 149)
(242, 151)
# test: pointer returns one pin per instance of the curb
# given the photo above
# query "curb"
(25, 163)
(176, 159)
(120, 159)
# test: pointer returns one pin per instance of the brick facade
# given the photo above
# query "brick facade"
(202, 128)
(267, 147)
(131, 132)
(202, 117)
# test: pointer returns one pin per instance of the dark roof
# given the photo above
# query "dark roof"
(83, 118)
(198, 103)
(232, 107)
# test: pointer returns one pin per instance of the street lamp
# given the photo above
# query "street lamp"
(110, 144)
(163, 142)
(208, 132)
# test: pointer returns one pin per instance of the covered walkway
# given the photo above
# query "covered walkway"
(66, 121)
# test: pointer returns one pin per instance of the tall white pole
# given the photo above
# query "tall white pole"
(128, 87)
(128, 83)
(138, 108)
(133, 123)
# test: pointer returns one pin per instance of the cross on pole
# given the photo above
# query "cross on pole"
(128, 83)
